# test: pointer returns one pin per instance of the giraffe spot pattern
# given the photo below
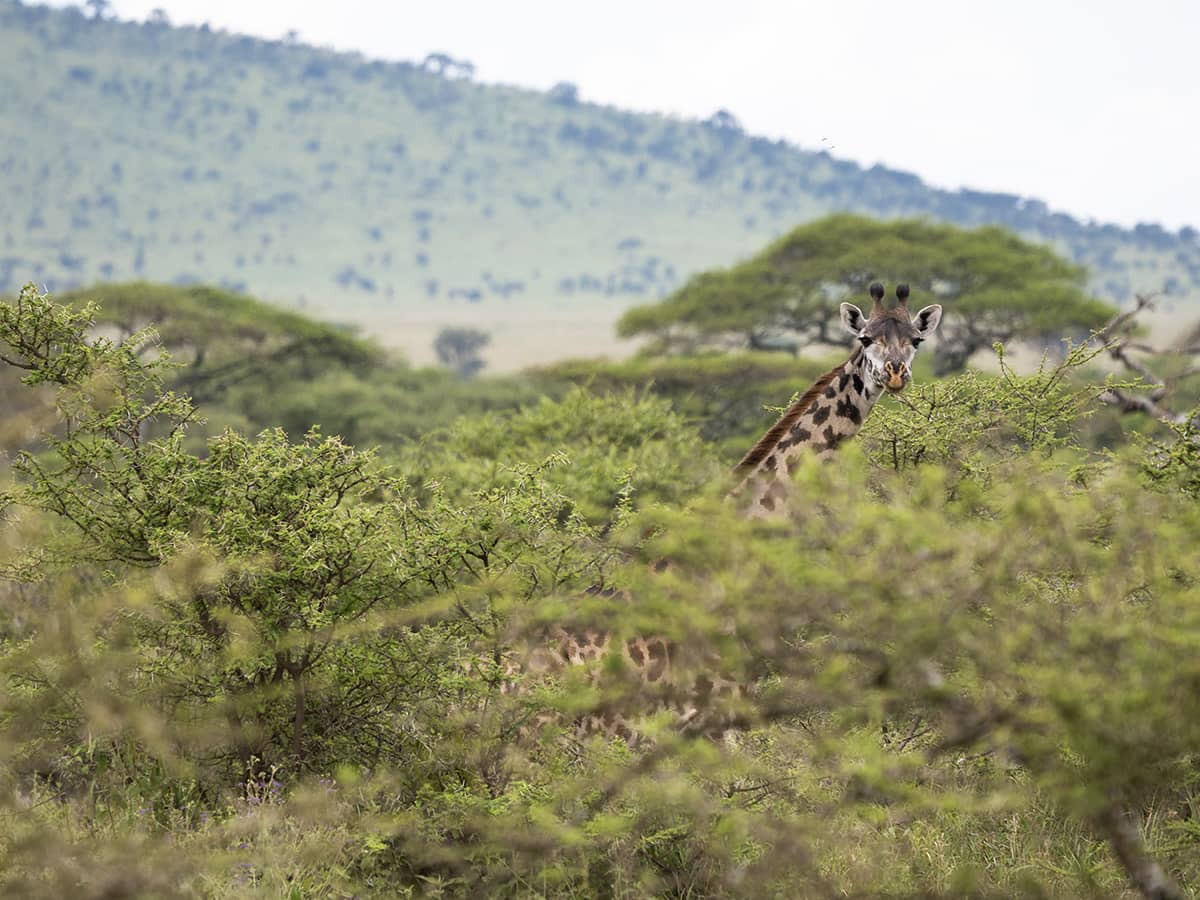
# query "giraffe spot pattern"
(635, 653)
(820, 414)
(848, 409)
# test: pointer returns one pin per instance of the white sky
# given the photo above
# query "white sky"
(1093, 107)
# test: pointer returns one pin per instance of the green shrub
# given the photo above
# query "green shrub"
(273, 668)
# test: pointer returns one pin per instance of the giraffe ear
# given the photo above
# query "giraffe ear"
(926, 321)
(853, 319)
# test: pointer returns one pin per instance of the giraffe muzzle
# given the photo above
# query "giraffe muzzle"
(897, 375)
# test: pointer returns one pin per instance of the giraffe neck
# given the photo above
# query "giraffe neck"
(831, 411)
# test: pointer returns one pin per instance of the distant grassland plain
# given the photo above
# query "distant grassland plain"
(402, 198)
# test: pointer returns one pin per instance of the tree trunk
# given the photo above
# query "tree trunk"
(1143, 869)
(300, 703)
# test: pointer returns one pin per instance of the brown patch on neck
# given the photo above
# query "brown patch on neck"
(767, 443)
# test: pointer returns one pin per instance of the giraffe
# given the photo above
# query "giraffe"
(831, 411)
(838, 403)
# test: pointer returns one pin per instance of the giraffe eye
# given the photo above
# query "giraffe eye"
(917, 341)
(865, 340)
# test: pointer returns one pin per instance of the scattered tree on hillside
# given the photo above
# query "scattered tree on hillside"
(458, 349)
(447, 66)
(994, 285)
(724, 120)
(98, 8)
(564, 94)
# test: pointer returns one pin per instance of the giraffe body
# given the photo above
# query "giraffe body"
(831, 411)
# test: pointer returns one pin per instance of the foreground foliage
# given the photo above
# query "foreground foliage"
(272, 668)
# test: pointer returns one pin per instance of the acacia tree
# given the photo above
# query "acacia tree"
(458, 349)
(224, 339)
(994, 286)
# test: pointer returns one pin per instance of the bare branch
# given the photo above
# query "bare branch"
(1135, 365)
(1117, 336)
(1122, 323)
(1127, 402)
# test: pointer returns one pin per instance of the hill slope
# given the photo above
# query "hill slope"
(406, 197)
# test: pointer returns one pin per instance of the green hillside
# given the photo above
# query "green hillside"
(405, 197)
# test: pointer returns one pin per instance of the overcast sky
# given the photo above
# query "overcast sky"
(1093, 107)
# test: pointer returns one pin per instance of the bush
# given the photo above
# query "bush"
(272, 667)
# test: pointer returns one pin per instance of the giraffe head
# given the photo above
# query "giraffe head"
(890, 336)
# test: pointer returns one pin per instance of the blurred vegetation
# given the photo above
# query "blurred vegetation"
(358, 188)
(275, 665)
